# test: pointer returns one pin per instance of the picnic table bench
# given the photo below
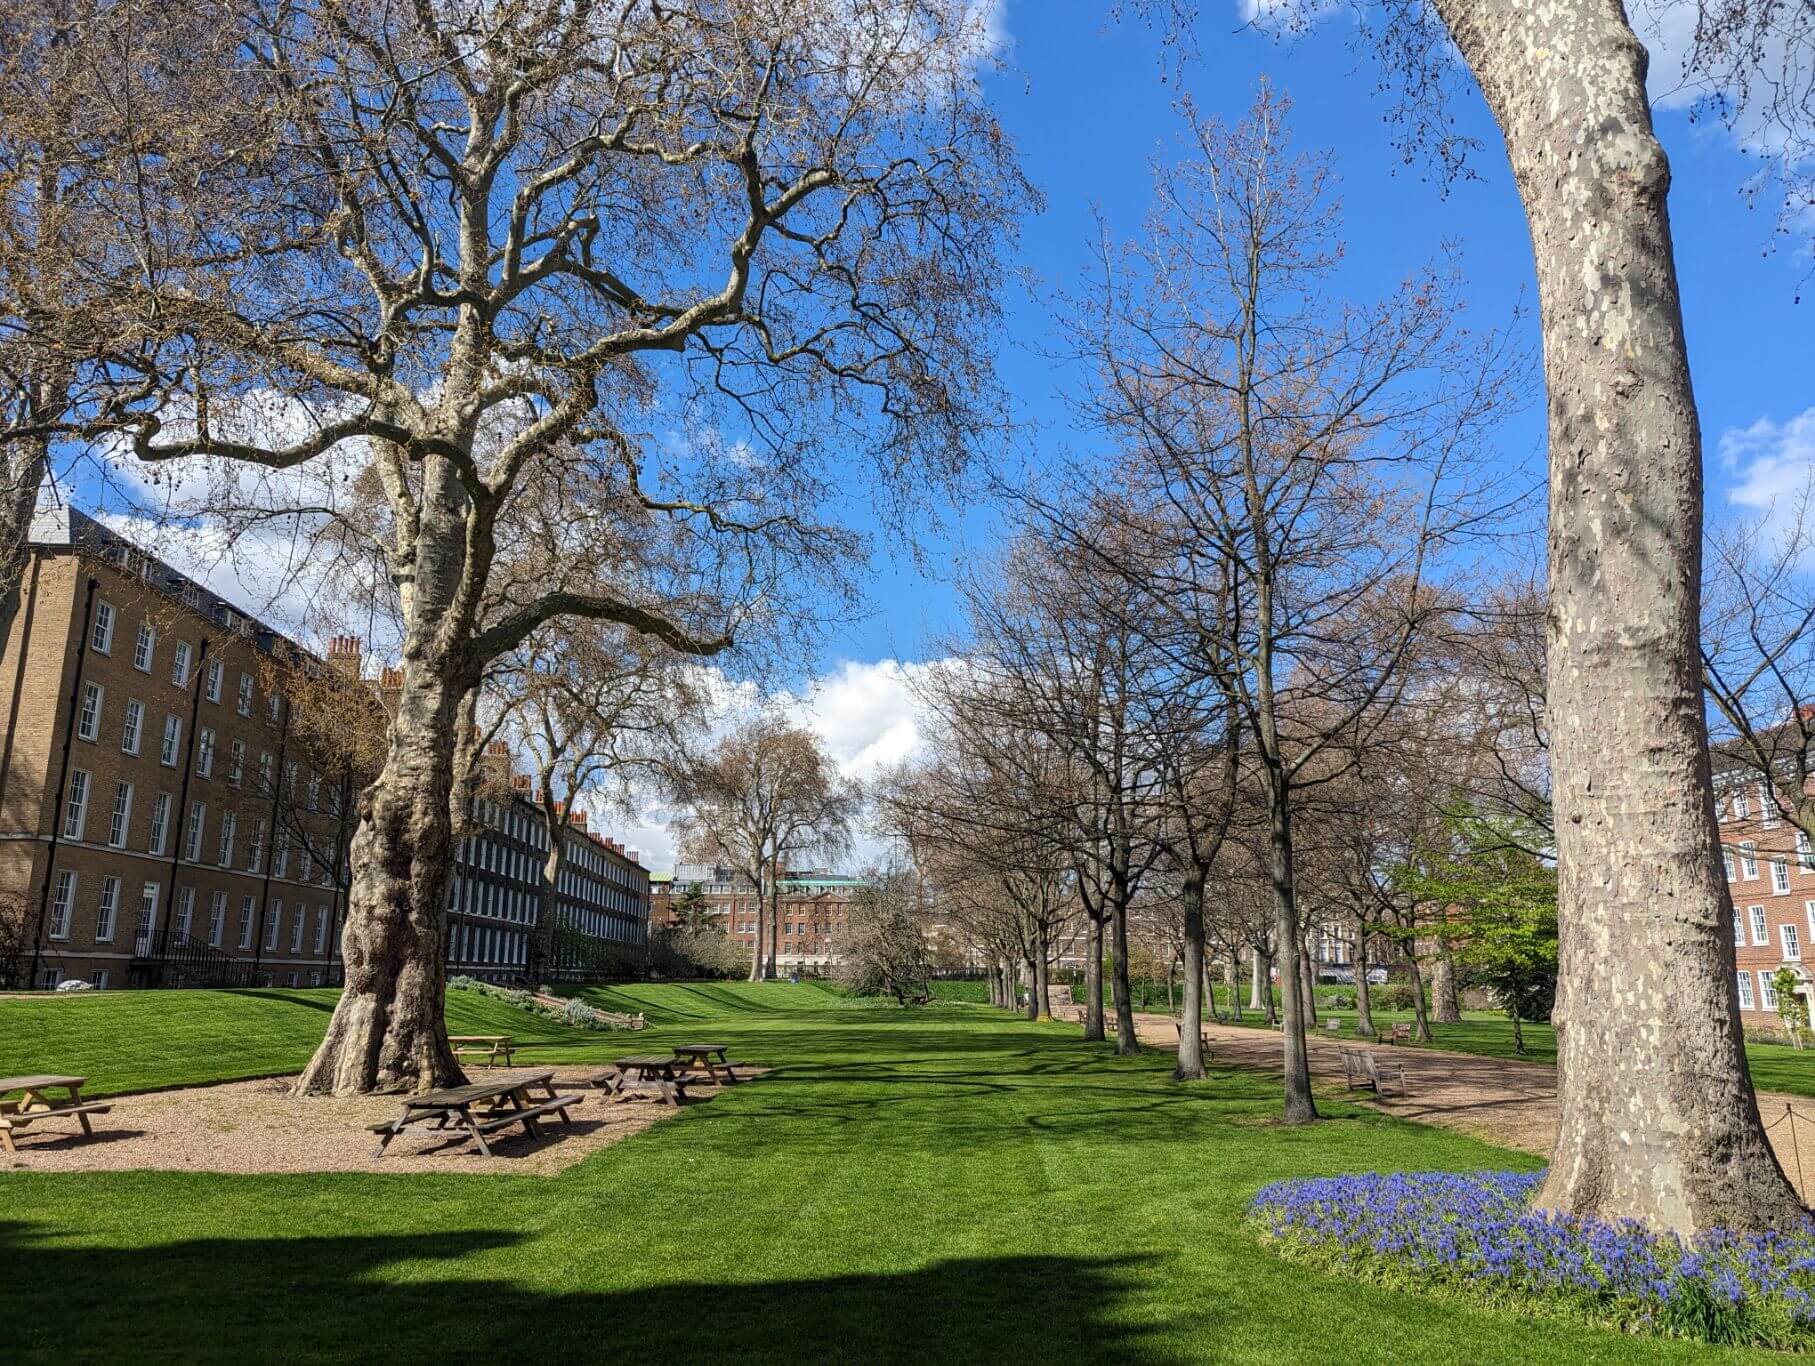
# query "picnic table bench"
(491, 1047)
(481, 1109)
(34, 1105)
(657, 1077)
(710, 1058)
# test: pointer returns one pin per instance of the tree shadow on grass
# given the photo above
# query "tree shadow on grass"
(406, 1297)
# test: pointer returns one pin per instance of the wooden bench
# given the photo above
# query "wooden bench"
(653, 1078)
(1380, 1073)
(491, 1047)
(1399, 1033)
(481, 1109)
(34, 1106)
(1332, 1027)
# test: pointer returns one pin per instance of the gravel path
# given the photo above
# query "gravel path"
(1512, 1104)
(256, 1126)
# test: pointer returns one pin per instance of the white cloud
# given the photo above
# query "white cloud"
(1771, 463)
(864, 712)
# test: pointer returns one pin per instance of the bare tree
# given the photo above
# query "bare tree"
(765, 793)
(1312, 462)
(538, 222)
(590, 708)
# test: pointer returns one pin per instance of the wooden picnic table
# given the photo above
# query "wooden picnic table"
(35, 1105)
(489, 1046)
(710, 1058)
(666, 1079)
(481, 1108)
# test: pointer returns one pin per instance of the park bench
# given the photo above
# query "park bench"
(34, 1105)
(490, 1047)
(1399, 1033)
(481, 1109)
(1355, 1070)
(1333, 1027)
(1380, 1073)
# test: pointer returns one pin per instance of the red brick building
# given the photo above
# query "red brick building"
(815, 909)
(1771, 875)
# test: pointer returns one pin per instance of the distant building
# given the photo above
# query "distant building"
(162, 824)
(814, 908)
(1771, 876)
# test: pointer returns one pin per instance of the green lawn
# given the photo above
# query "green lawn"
(936, 1185)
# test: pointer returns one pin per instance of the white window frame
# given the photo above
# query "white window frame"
(1748, 859)
(217, 919)
(236, 762)
(75, 805)
(1761, 933)
(1780, 876)
(1746, 998)
(88, 719)
(148, 919)
(321, 929)
(145, 649)
(1767, 989)
(62, 904)
(160, 823)
(298, 927)
(180, 660)
(1790, 938)
(119, 826)
(204, 752)
(248, 916)
(255, 853)
(132, 726)
(1726, 858)
(213, 676)
(192, 836)
(229, 828)
(172, 746)
(244, 703)
(185, 911)
(100, 640)
(274, 926)
(1742, 804)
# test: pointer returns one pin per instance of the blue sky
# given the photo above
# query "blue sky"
(1084, 101)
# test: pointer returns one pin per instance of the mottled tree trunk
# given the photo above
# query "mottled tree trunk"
(1033, 991)
(388, 1032)
(1093, 983)
(1125, 1042)
(1364, 1005)
(1043, 974)
(1446, 998)
(1658, 1117)
(758, 963)
(1230, 976)
(1300, 1108)
(1308, 989)
(1421, 1027)
(1191, 1014)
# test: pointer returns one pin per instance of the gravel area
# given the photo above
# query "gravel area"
(257, 1126)
(1512, 1104)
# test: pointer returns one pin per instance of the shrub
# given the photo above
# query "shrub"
(1474, 1233)
(1392, 996)
(1339, 1000)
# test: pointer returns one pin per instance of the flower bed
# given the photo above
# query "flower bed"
(1475, 1233)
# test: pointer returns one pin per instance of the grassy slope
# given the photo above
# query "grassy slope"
(946, 1184)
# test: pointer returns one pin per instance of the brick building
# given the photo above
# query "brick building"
(1771, 876)
(162, 824)
(815, 908)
